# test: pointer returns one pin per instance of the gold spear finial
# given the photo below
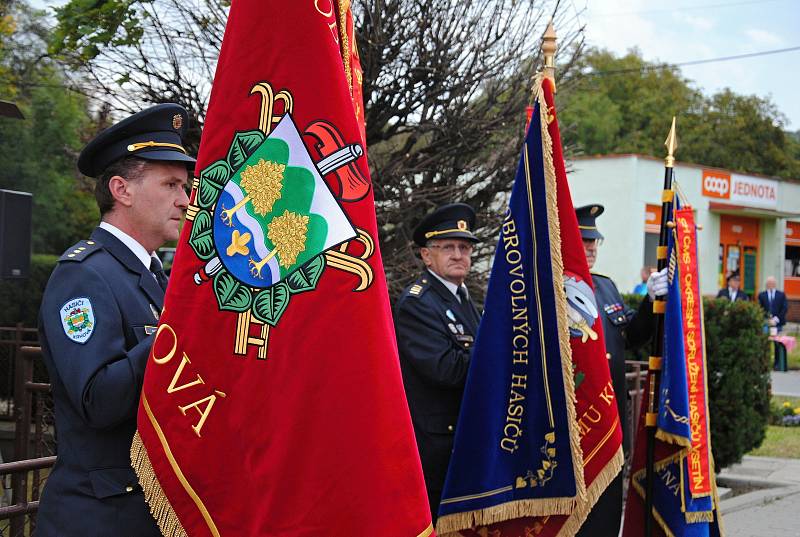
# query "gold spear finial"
(672, 145)
(549, 51)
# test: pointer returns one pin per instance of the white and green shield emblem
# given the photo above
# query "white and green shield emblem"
(265, 215)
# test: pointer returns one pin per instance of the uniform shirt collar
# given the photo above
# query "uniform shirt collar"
(732, 293)
(132, 244)
(453, 288)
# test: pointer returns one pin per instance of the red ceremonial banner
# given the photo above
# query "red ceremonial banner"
(596, 408)
(683, 495)
(273, 403)
(699, 456)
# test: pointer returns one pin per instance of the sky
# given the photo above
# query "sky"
(684, 30)
(689, 30)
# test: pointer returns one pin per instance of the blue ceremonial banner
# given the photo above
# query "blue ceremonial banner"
(684, 495)
(517, 445)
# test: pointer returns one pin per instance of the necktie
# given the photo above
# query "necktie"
(466, 305)
(158, 271)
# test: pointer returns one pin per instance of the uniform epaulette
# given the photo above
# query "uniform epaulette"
(80, 251)
(601, 275)
(419, 287)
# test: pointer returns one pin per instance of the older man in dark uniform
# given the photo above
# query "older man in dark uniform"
(96, 324)
(732, 289)
(622, 328)
(436, 324)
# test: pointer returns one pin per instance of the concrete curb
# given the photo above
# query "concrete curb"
(757, 497)
(753, 481)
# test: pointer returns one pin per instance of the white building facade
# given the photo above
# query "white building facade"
(749, 223)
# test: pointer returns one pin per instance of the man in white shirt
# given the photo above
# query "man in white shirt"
(96, 324)
(774, 303)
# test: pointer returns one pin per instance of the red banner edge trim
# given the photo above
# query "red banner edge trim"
(160, 507)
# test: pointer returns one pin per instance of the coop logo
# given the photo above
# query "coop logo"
(716, 184)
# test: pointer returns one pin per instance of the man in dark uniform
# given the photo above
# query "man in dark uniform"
(436, 324)
(622, 328)
(732, 291)
(97, 321)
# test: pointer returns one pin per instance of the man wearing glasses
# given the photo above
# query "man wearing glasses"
(436, 324)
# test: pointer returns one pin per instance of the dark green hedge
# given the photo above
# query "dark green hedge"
(20, 299)
(738, 378)
(737, 355)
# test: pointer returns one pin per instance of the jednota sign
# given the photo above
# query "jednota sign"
(744, 190)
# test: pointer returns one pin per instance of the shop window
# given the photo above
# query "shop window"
(650, 245)
(791, 264)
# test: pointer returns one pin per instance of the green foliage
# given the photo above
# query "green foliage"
(742, 132)
(639, 103)
(738, 378)
(38, 154)
(6, 30)
(21, 298)
(737, 355)
(625, 105)
(86, 26)
(781, 442)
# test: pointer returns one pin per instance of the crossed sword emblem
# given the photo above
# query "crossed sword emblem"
(340, 257)
(336, 156)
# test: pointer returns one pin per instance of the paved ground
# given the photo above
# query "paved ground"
(771, 511)
(786, 383)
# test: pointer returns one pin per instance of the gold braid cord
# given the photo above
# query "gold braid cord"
(160, 508)
(591, 493)
(344, 42)
(554, 225)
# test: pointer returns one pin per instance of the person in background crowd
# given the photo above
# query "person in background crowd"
(774, 303)
(641, 287)
(732, 291)
(436, 324)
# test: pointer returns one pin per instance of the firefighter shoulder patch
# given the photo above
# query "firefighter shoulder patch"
(77, 319)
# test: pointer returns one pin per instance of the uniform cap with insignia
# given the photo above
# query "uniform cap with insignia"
(152, 134)
(451, 221)
(586, 220)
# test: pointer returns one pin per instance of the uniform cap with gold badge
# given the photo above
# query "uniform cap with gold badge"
(152, 134)
(451, 221)
(586, 220)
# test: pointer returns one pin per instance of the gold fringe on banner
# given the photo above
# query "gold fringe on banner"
(588, 495)
(554, 224)
(700, 516)
(449, 525)
(159, 505)
(673, 438)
